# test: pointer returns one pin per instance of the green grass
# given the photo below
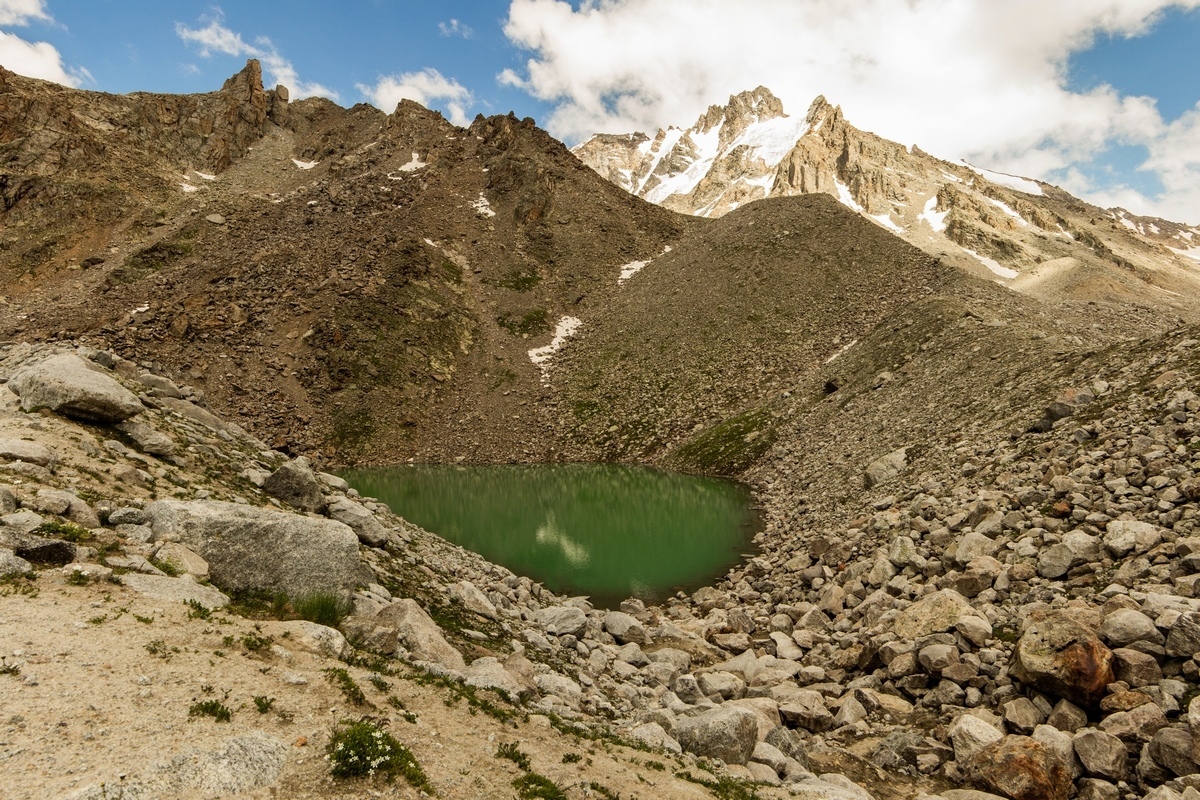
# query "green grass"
(263, 703)
(512, 751)
(324, 608)
(197, 610)
(341, 678)
(532, 323)
(532, 786)
(729, 447)
(362, 749)
(723, 788)
(64, 530)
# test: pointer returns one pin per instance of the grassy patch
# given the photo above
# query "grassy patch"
(197, 610)
(532, 323)
(532, 786)
(512, 752)
(64, 530)
(475, 703)
(723, 788)
(363, 749)
(520, 279)
(729, 447)
(263, 703)
(324, 608)
(151, 259)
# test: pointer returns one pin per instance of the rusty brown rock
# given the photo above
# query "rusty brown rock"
(1059, 655)
(1020, 768)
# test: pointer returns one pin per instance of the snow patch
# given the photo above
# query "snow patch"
(630, 269)
(935, 218)
(835, 356)
(204, 175)
(415, 164)
(845, 197)
(566, 327)
(886, 221)
(1008, 181)
(1127, 223)
(1192, 253)
(187, 187)
(305, 164)
(140, 309)
(994, 266)
(951, 178)
(482, 207)
(1007, 210)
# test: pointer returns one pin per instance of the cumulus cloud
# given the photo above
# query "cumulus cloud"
(20, 12)
(427, 87)
(455, 28)
(215, 38)
(982, 80)
(33, 59)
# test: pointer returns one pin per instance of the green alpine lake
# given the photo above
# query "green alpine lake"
(606, 531)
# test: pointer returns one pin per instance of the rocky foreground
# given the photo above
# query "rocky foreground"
(1025, 626)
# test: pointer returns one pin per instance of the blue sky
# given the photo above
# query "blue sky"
(1099, 96)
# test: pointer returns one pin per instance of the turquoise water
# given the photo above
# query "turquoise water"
(601, 530)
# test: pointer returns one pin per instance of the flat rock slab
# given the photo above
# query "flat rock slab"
(67, 385)
(29, 452)
(178, 589)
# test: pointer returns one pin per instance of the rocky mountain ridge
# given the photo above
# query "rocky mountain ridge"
(1030, 236)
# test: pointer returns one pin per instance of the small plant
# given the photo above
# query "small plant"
(9, 669)
(211, 708)
(228, 640)
(19, 584)
(78, 578)
(603, 791)
(64, 530)
(158, 648)
(571, 758)
(323, 608)
(512, 751)
(197, 610)
(168, 567)
(143, 620)
(263, 703)
(379, 683)
(362, 749)
(532, 786)
(352, 691)
(100, 620)
(253, 642)
(398, 704)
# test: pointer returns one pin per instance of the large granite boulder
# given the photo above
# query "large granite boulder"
(297, 485)
(1059, 655)
(727, 732)
(259, 548)
(417, 631)
(67, 385)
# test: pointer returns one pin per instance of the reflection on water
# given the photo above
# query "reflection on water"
(601, 530)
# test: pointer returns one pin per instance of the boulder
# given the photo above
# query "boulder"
(489, 673)
(368, 529)
(1136, 668)
(417, 631)
(1059, 655)
(806, 709)
(1102, 755)
(178, 590)
(146, 438)
(310, 637)
(624, 628)
(1172, 748)
(1126, 626)
(560, 686)
(652, 735)
(1020, 768)
(12, 564)
(468, 595)
(183, 560)
(258, 548)
(728, 733)
(885, 467)
(562, 620)
(1184, 639)
(969, 734)
(67, 385)
(29, 452)
(297, 485)
(1125, 536)
(935, 613)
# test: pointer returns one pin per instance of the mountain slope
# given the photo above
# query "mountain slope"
(1032, 236)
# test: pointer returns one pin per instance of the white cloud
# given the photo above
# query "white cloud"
(455, 28)
(215, 38)
(21, 12)
(978, 79)
(424, 87)
(37, 60)
(33, 59)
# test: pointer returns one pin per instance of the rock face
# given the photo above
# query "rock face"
(1059, 655)
(983, 221)
(728, 733)
(257, 548)
(66, 384)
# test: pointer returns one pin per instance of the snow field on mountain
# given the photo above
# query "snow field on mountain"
(1008, 181)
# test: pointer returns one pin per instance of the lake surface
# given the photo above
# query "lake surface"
(601, 530)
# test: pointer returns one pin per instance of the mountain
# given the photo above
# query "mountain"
(1029, 235)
